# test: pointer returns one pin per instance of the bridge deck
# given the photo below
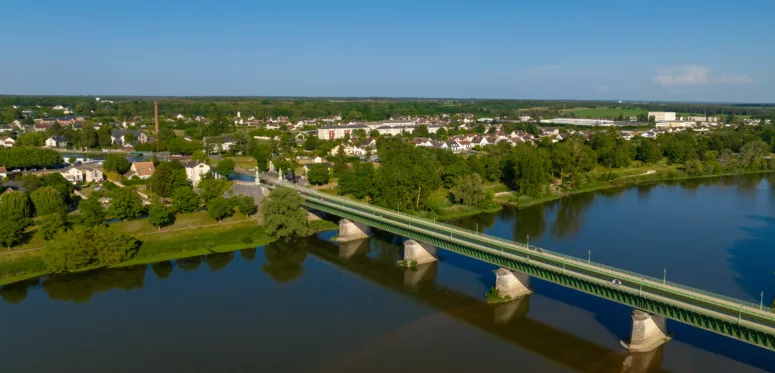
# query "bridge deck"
(717, 313)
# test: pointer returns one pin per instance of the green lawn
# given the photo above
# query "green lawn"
(605, 112)
(243, 161)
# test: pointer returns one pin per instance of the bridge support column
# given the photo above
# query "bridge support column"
(350, 230)
(648, 332)
(511, 284)
(416, 253)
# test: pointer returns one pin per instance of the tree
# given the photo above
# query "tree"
(159, 216)
(168, 177)
(12, 228)
(98, 246)
(530, 170)
(129, 138)
(50, 225)
(283, 215)
(184, 199)
(726, 159)
(126, 204)
(421, 131)
(92, 212)
(311, 142)
(374, 134)
(693, 167)
(246, 205)
(48, 200)
(212, 188)
(468, 190)
(318, 174)
(752, 152)
(200, 156)
(364, 180)
(262, 153)
(17, 203)
(220, 208)
(652, 121)
(340, 161)
(225, 167)
(116, 163)
(648, 151)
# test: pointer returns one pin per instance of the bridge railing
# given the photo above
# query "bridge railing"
(508, 243)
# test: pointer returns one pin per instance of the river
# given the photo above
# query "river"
(313, 305)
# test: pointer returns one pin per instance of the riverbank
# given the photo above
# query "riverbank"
(512, 200)
(183, 240)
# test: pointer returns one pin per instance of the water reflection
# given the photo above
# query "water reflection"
(162, 269)
(218, 261)
(189, 264)
(529, 221)
(284, 260)
(569, 216)
(17, 292)
(248, 254)
(81, 287)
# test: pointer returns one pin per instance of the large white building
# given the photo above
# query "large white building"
(385, 127)
(580, 122)
(662, 116)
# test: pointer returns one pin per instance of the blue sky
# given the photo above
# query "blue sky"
(655, 50)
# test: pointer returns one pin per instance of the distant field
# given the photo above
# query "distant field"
(604, 112)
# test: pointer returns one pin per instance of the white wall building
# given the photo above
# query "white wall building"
(580, 121)
(662, 116)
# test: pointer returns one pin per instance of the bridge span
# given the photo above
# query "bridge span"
(653, 300)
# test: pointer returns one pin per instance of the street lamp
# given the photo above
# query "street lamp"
(589, 256)
(761, 301)
(664, 277)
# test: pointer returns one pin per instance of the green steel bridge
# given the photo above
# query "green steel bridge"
(741, 320)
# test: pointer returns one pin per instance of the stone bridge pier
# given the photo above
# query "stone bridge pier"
(416, 253)
(511, 283)
(350, 230)
(648, 332)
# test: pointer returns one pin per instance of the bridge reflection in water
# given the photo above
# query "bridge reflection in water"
(505, 320)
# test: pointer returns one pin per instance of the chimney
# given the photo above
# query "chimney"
(156, 117)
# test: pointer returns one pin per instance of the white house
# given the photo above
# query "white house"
(3, 173)
(195, 172)
(56, 142)
(119, 137)
(7, 142)
(84, 173)
(143, 170)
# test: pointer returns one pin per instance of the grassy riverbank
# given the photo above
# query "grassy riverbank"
(192, 234)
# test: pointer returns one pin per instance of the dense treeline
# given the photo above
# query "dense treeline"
(18, 157)
(422, 179)
(369, 109)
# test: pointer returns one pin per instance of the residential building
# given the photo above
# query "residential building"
(662, 116)
(56, 142)
(349, 150)
(142, 170)
(7, 142)
(84, 173)
(119, 137)
(196, 171)
(580, 121)
(3, 173)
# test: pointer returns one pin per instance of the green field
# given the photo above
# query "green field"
(609, 113)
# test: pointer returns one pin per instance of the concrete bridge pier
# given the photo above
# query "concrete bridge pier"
(648, 332)
(350, 230)
(358, 246)
(511, 283)
(415, 276)
(416, 253)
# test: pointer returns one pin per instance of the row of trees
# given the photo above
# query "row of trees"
(24, 157)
